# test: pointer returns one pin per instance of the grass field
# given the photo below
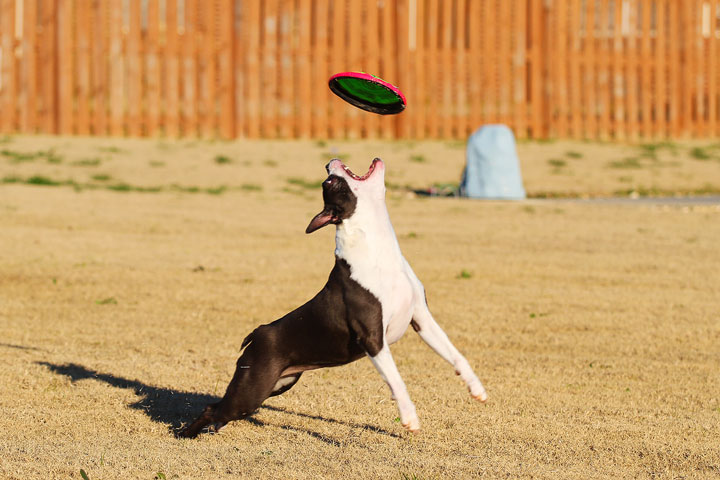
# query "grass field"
(131, 270)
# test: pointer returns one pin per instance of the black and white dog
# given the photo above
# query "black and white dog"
(369, 300)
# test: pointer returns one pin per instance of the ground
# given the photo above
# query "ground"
(131, 270)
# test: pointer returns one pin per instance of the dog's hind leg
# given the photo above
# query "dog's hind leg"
(256, 375)
(428, 329)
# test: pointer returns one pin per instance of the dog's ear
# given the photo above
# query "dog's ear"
(320, 220)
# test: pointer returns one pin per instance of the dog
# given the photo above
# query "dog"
(370, 298)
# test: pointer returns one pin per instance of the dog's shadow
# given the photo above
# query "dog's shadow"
(174, 407)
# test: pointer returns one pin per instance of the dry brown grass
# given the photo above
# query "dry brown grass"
(594, 327)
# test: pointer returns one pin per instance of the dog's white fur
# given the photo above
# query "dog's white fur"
(367, 242)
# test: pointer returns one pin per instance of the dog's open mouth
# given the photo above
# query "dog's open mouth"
(358, 177)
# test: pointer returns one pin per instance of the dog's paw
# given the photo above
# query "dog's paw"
(478, 392)
(413, 426)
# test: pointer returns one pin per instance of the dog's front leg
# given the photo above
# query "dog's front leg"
(385, 365)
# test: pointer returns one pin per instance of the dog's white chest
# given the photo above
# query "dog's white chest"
(377, 264)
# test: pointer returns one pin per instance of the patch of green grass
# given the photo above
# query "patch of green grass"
(84, 475)
(18, 157)
(5, 139)
(40, 180)
(216, 190)
(321, 143)
(572, 154)
(270, 163)
(107, 301)
(156, 163)
(417, 158)
(626, 163)
(160, 476)
(625, 179)
(250, 187)
(12, 179)
(529, 209)
(699, 153)
(87, 162)
(111, 149)
(302, 183)
(223, 159)
(557, 162)
(464, 274)
(650, 150)
(101, 177)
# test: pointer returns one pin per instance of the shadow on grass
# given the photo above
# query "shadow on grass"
(174, 407)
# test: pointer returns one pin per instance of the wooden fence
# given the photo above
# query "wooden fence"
(259, 68)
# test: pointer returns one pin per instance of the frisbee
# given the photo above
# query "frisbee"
(368, 92)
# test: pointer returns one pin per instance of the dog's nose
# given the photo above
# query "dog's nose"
(330, 165)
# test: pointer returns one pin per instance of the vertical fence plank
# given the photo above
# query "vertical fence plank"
(28, 84)
(47, 57)
(66, 73)
(433, 73)
(446, 56)
(83, 59)
(152, 70)
(589, 73)
(618, 83)
(301, 108)
(630, 17)
(99, 67)
(688, 71)
(520, 111)
(560, 74)
(225, 15)
(320, 69)
(461, 122)
(252, 24)
(576, 109)
(700, 123)
(8, 66)
(674, 67)
(536, 23)
(605, 80)
(269, 19)
(339, 62)
(504, 60)
(188, 56)
(372, 52)
(240, 52)
(712, 75)
(646, 66)
(660, 84)
(287, 57)
(134, 70)
(116, 71)
(474, 64)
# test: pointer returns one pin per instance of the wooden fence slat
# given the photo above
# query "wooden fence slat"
(433, 73)
(590, 73)
(47, 58)
(446, 56)
(301, 112)
(134, 71)
(372, 56)
(252, 23)
(339, 64)
(460, 72)
(320, 70)
(712, 75)
(287, 53)
(660, 84)
(520, 112)
(66, 74)
(152, 69)
(576, 108)
(226, 19)
(240, 52)
(83, 59)
(28, 71)
(688, 72)
(8, 84)
(618, 83)
(536, 23)
(646, 64)
(631, 69)
(189, 57)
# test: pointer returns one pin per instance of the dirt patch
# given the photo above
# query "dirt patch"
(593, 327)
